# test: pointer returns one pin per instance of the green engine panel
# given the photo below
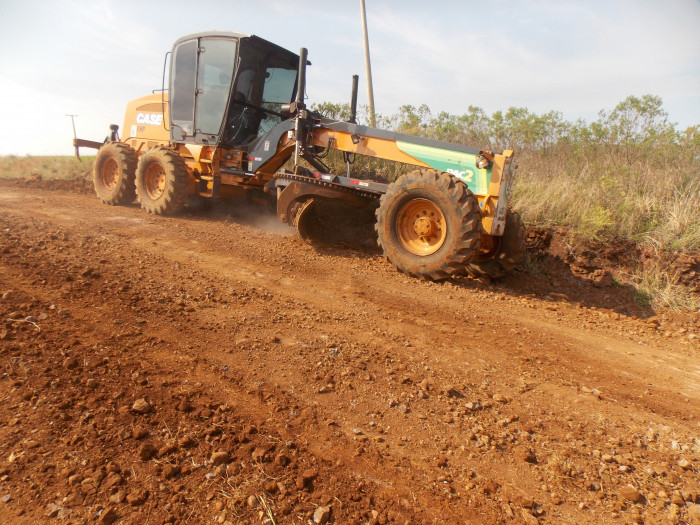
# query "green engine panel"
(461, 165)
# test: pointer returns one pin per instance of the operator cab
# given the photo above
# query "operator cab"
(226, 89)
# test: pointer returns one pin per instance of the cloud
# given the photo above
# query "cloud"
(575, 55)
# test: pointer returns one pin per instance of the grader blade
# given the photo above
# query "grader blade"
(305, 220)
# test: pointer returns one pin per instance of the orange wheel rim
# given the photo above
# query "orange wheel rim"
(155, 180)
(109, 173)
(421, 227)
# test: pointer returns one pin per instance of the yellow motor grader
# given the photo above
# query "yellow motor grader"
(234, 116)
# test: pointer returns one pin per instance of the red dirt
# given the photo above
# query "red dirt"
(213, 367)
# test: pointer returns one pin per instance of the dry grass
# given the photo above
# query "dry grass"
(658, 287)
(65, 168)
(654, 205)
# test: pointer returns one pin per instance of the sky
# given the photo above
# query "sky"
(61, 57)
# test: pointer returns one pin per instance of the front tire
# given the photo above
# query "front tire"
(114, 172)
(162, 181)
(509, 254)
(429, 224)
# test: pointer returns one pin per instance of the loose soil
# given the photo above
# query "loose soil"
(214, 368)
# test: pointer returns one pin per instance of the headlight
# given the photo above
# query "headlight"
(482, 162)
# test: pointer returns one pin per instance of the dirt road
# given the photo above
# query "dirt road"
(214, 368)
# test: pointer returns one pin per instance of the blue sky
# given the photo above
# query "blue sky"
(90, 58)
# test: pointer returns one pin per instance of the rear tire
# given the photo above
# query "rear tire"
(429, 224)
(114, 172)
(511, 251)
(162, 181)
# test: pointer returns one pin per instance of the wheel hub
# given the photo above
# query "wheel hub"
(110, 173)
(421, 227)
(425, 226)
(155, 181)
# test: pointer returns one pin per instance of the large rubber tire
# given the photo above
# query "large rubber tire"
(114, 172)
(429, 224)
(162, 181)
(511, 251)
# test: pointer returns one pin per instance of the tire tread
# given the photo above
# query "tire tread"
(176, 185)
(127, 160)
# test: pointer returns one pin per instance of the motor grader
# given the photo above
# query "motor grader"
(233, 118)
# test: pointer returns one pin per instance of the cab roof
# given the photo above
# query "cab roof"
(232, 34)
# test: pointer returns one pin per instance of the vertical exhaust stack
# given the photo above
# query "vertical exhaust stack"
(349, 157)
(353, 100)
(300, 107)
(303, 53)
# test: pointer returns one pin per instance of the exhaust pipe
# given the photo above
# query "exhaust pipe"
(301, 88)
(300, 113)
(353, 100)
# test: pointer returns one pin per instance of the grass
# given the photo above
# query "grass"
(658, 287)
(653, 204)
(63, 168)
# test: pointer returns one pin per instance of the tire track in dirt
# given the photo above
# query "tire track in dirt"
(481, 401)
